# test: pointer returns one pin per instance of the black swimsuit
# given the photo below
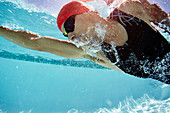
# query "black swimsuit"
(146, 54)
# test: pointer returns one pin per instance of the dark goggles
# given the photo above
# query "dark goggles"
(69, 25)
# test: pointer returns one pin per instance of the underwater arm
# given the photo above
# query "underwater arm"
(47, 44)
(51, 45)
(103, 61)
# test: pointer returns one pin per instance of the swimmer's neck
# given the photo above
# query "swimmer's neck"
(115, 33)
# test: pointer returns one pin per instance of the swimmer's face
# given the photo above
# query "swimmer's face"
(86, 30)
(84, 27)
(90, 27)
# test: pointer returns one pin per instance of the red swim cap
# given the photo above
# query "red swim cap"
(72, 8)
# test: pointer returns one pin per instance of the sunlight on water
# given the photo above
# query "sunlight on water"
(22, 5)
(17, 15)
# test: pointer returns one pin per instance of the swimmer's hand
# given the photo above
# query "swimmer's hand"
(39, 43)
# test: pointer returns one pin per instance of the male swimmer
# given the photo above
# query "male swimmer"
(125, 40)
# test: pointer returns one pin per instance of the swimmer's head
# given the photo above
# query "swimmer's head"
(80, 23)
(72, 8)
(76, 20)
(84, 27)
(78, 17)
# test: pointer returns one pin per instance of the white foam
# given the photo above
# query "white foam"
(162, 31)
(92, 45)
(144, 104)
(158, 69)
(30, 111)
(13, 26)
(115, 52)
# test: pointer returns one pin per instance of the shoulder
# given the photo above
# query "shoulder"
(135, 8)
(143, 10)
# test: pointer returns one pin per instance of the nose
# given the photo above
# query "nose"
(71, 36)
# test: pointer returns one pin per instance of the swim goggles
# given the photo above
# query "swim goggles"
(69, 25)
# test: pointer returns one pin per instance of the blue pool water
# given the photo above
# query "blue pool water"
(39, 82)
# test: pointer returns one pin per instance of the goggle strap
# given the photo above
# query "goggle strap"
(65, 33)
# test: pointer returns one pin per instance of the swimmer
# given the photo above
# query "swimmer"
(125, 41)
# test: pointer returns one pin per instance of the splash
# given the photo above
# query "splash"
(141, 105)
(115, 52)
(144, 104)
(14, 26)
(90, 45)
(160, 68)
(163, 29)
(93, 44)
(100, 30)
(30, 111)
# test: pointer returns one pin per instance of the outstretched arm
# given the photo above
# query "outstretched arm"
(51, 45)
(47, 44)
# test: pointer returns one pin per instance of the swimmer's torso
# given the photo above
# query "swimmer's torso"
(145, 50)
